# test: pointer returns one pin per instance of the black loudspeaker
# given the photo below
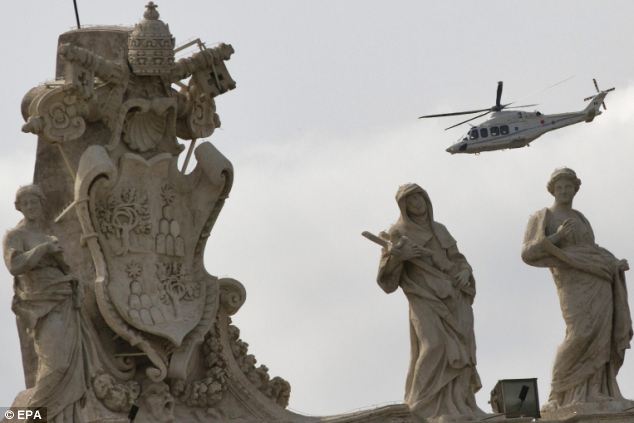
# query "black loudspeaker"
(516, 398)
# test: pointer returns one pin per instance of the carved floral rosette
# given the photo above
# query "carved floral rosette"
(145, 225)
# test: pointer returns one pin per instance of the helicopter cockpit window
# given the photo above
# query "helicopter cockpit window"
(484, 132)
(495, 131)
(473, 134)
(538, 113)
(504, 129)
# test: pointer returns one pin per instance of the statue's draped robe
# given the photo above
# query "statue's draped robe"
(46, 305)
(594, 307)
(442, 377)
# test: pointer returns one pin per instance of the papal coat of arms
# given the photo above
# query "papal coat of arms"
(132, 224)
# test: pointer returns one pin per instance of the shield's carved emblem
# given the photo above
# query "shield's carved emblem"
(146, 225)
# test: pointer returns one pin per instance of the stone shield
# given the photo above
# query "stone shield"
(148, 236)
(146, 224)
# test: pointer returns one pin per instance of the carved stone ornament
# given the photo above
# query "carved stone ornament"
(58, 115)
(109, 257)
(142, 222)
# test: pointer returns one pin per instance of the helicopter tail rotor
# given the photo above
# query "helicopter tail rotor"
(596, 86)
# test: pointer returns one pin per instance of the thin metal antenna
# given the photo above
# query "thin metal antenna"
(76, 14)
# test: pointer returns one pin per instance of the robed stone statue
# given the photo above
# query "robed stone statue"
(591, 286)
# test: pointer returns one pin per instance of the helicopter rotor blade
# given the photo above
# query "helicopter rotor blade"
(455, 113)
(498, 97)
(523, 105)
(604, 91)
(596, 85)
(469, 120)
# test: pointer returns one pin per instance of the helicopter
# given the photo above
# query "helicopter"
(514, 129)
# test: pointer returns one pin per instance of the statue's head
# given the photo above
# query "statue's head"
(102, 384)
(117, 398)
(29, 200)
(414, 202)
(563, 184)
(151, 45)
(157, 401)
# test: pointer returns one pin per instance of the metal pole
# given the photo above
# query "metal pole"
(66, 161)
(76, 14)
(189, 155)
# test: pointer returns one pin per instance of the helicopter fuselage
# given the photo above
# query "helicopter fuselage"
(514, 129)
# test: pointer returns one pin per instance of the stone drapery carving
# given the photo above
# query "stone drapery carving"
(591, 286)
(47, 304)
(423, 259)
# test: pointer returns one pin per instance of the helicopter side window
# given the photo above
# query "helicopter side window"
(504, 129)
(484, 132)
(495, 131)
(519, 115)
(473, 134)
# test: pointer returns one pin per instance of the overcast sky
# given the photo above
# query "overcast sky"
(322, 130)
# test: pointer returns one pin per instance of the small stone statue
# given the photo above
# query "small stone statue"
(46, 302)
(421, 257)
(591, 286)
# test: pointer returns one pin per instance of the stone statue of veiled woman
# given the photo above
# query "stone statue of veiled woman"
(423, 259)
(592, 293)
(47, 304)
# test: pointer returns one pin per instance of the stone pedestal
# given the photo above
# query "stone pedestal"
(605, 411)
(627, 417)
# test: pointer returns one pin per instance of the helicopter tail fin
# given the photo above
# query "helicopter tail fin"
(594, 108)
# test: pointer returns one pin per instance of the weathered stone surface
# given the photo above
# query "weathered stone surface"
(112, 217)
(420, 256)
(591, 286)
(611, 417)
(114, 307)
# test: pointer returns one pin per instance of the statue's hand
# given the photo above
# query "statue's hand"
(405, 249)
(53, 246)
(463, 278)
(567, 228)
(623, 266)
